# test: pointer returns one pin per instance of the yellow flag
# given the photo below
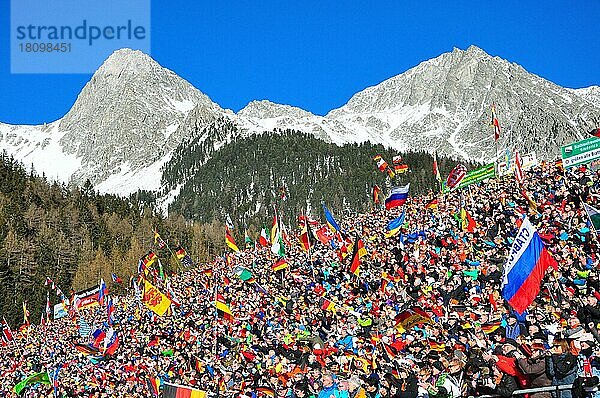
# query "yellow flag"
(154, 299)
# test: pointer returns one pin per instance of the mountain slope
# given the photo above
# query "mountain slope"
(124, 128)
(244, 177)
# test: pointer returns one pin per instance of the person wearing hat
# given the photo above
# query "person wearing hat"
(535, 368)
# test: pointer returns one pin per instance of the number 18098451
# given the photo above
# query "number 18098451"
(45, 47)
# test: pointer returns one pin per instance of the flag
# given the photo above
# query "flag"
(274, 227)
(397, 197)
(411, 317)
(110, 308)
(327, 305)
(393, 227)
(229, 223)
(25, 314)
(467, 222)
(495, 123)
(433, 204)
(266, 391)
(102, 292)
(41, 377)
(230, 242)
(278, 246)
(223, 309)
(525, 268)
(50, 282)
(304, 236)
(115, 278)
(248, 241)
(154, 299)
(146, 261)
(358, 253)
(595, 133)
(48, 308)
(158, 240)
(180, 252)
(530, 202)
(594, 215)
(177, 391)
(456, 176)
(518, 171)
(282, 193)
(436, 170)
(435, 346)
(154, 386)
(490, 327)
(6, 334)
(376, 194)
(381, 164)
(243, 273)
(279, 265)
(333, 225)
(401, 168)
(263, 240)
(55, 379)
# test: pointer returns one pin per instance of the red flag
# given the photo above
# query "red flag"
(376, 194)
(495, 123)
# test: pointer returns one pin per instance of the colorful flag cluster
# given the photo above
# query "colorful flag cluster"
(383, 166)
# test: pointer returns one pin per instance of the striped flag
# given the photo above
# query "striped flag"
(526, 266)
(359, 252)
(230, 242)
(279, 265)
(518, 171)
(495, 124)
(327, 305)
(223, 309)
(594, 215)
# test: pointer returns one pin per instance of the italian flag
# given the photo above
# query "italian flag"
(594, 215)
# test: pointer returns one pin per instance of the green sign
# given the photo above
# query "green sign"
(584, 151)
(475, 176)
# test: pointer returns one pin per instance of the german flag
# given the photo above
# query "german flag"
(208, 272)
(358, 253)
(304, 237)
(433, 204)
(279, 265)
(435, 346)
(177, 391)
(180, 253)
(223, 309)
(327, 305)
(230, 242)
(490, 327)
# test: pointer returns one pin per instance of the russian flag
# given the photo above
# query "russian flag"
(525, 268)
(102, 292)
(397, 197)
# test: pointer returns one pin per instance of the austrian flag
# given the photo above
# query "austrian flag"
(527, 263)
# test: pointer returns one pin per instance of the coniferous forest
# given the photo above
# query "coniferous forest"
(76, 236)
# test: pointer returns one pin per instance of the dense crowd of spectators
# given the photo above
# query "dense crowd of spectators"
(282, 342)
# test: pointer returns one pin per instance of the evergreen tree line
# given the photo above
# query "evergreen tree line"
(248, 176)
(76, 236)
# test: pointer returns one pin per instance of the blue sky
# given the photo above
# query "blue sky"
(315, 55)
